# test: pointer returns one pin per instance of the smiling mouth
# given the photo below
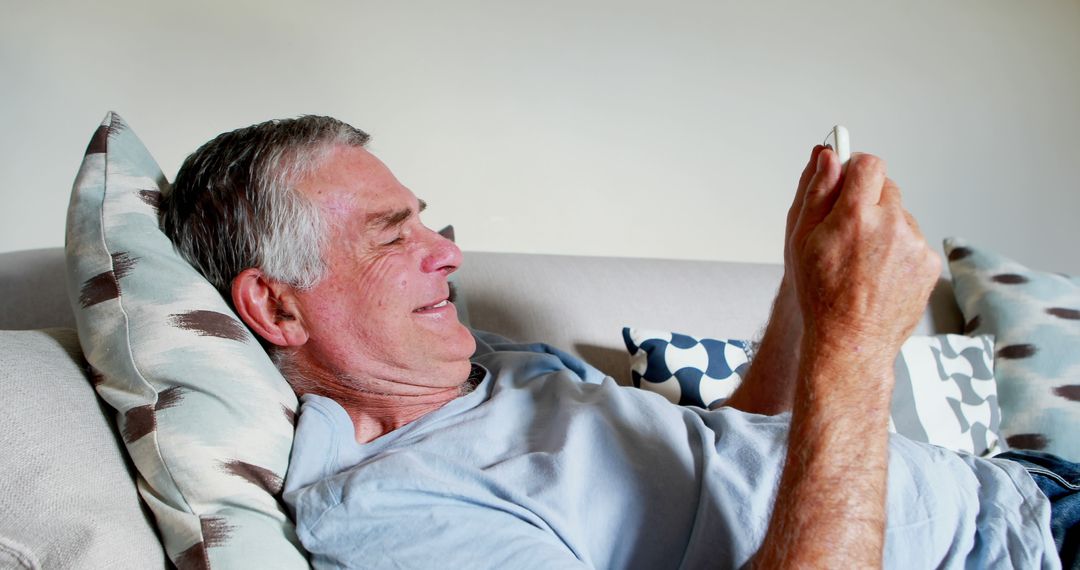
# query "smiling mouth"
(438, 305)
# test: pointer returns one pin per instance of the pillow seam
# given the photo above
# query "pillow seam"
(105, 242)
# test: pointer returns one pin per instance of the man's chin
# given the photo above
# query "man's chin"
(457, 371)
(454, 343)
(467, 340)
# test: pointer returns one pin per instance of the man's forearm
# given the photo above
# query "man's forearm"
(830, 508)
(769, 386)
(862, 273)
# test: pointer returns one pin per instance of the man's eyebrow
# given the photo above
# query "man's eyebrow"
(387, 220)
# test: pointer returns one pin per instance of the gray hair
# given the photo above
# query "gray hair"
(234, 204)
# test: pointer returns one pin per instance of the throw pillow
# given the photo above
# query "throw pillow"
(205, 416)
(945, 392)
(686, 370)
(946, 395)
(1035, 317)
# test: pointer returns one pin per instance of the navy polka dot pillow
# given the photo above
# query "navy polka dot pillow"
(1035, 317)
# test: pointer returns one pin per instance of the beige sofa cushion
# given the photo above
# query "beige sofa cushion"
(58, 444)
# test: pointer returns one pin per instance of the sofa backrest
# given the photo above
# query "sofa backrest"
(33, 291)
(581, 304)
(576, 303)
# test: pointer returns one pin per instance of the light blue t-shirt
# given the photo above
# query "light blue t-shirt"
(547, 464)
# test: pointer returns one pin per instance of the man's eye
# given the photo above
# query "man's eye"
(395, 241)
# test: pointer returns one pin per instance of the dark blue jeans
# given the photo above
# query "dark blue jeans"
(1060, 482)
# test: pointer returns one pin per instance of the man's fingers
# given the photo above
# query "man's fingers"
(804, 181)
(863, 181)
(821, 191)
(808, 172)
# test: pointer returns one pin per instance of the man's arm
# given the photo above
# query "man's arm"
(769, 386)
(861, 272)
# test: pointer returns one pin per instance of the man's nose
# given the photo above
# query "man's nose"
(442, 255)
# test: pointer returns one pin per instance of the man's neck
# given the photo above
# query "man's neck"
(380, 414)
(374, 415)
(376, 407)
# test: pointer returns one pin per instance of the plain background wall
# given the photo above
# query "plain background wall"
(661, 129)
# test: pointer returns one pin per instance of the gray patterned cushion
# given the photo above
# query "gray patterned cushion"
(945, 392)
(946, 395)
(1035, 316)
(205, 416)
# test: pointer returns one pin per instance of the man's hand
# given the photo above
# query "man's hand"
(796, 209)
(862, 272)
(860, 267)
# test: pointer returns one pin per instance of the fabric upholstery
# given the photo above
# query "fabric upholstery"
(67, 492)
(33, 291)
(580, 303)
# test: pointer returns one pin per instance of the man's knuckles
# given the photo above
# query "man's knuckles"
(900, 230)
(864, 164)
(863, 181)
(891, 195)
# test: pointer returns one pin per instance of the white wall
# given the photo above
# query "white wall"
(664, 129)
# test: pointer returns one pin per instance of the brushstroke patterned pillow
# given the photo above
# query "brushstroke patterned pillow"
(1035, 316)
(206, 418)
(945, 391)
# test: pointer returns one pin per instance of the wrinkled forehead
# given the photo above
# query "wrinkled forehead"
(351, 184)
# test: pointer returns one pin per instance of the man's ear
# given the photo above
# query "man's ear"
(269, 307)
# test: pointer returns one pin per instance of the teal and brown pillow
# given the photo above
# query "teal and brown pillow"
(206, 417)
(1035, 317)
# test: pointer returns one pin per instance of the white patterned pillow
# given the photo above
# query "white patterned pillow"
(1035, 317)
(206, 418)
(684, 369)
(945, 390)
(945, 393)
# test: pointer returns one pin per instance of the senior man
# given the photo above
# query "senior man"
(422, 445)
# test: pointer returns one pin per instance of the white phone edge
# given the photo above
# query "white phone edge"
(843, 144)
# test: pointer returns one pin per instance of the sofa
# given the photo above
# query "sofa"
(144, 426)
(68, 490)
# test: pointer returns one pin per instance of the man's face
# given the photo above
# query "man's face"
(381, 316)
